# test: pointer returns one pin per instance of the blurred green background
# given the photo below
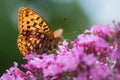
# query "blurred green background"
(71, 15)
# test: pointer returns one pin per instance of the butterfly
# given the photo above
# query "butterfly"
(35, 35)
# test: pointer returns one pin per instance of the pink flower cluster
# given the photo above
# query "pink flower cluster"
(95, 55)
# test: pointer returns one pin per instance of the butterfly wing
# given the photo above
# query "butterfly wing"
(30, 20)
(34, 33)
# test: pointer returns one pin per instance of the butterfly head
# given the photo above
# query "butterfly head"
(58, 35)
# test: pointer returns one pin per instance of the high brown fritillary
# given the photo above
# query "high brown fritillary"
(35, 35)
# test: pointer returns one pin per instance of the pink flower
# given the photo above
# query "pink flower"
(81, 76)
(94, 55)
(89, 59)
(100, 72)
(103, 31)
(13, 73)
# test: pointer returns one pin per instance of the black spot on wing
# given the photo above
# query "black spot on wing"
(41, 23)
(37, 18)
(34, 24)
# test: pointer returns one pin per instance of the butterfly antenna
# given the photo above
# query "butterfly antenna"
(72, 32)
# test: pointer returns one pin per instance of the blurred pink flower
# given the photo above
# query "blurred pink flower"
(95, 55)
(13, 73)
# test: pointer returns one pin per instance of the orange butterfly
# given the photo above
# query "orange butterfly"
(35, 35)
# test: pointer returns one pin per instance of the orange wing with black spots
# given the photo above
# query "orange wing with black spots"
(30, 20)
(35, 35)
